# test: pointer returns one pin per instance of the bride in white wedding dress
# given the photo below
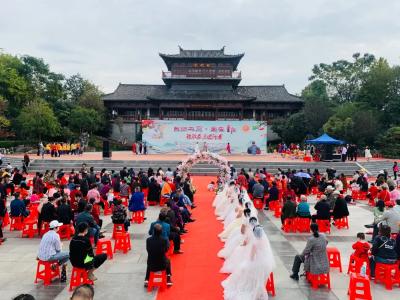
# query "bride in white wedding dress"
(248, 280)
(241, 250)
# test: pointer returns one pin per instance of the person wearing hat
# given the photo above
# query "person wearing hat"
(50, 248)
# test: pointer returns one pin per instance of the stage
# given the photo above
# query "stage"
(129, 156)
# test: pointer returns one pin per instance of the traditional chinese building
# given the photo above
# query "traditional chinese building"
(199, 85)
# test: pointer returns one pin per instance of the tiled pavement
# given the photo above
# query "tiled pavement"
(286, 246)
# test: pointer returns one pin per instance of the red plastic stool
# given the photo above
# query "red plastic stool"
(324, 226)
(278, 211)
(124, 201)
(29, 228)
(319, 279)
(122, 242)
(16, 223)
(138, 216)
(272, 205)
(47, 271)
(334, 258)
(118, 228)
(6, 220)
(387, 274)
(65, 231)
(342, 223)
(45, 227)
(271, 285)
(355, 265)
(104, 246)
(303, 224)
(107, 208)
(289, 225)
(163, 200)
(359, 288)
(157, 279)
(78, 277)
(258, 203)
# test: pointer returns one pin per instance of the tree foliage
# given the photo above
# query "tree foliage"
(37, 120)
(25, 79)
(85, 119)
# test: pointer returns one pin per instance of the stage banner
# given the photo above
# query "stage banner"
(182, 136)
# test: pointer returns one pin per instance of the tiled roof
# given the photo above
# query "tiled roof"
(142, 92)
(202, 54)
(268, 93)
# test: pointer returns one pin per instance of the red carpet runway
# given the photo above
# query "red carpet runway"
(196, 272)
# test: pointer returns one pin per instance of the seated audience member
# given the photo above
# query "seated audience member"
(361, 247)
(83, 292)
(17, 207)
(340, 209)
(273, 195)
(119, 215)
(313, 256)
(86, 217)
(288, 210)
(64, 212)
(174, 230)
(303, 209)
(164, 225)
(383, 249)
(391, 217)
(48, 211)
(3, 211)
(157, 260)
(258, 190)
(50, 248)
(323, 209)
(81, 252)
(136, 203)
(94, 193)
(96, 212)
(124, 189)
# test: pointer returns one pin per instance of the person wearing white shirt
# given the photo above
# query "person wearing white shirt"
(344, 153)
(50, 248)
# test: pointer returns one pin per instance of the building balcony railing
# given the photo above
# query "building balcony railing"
(169, 75)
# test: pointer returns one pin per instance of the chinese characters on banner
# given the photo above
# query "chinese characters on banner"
(172, 136)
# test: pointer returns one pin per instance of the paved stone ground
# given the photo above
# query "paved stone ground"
(122, 278)
(286, 246)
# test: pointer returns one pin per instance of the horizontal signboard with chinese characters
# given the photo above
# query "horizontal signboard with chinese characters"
(176, 136)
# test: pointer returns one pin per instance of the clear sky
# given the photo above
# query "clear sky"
(119, 41)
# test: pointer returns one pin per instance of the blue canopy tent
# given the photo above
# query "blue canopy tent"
(325, 140)
(328, 143)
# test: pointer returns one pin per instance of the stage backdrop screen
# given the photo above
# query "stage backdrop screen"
(177, 136)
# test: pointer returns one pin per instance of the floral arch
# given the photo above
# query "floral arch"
(211, 158)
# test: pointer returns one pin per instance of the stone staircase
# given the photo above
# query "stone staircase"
(202, 168)
(375, 166)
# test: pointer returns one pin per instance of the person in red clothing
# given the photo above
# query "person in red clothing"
(373, 191)
(242, 180)
(361, 247)
(134, 150)
(384, 194)
(72, 195)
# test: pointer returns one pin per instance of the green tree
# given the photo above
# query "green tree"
(91, 97)
(344, 78)
(389, 142)
(293, 129)
(317, 107)
(37, 120)
(74, 87)
(85, 120)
